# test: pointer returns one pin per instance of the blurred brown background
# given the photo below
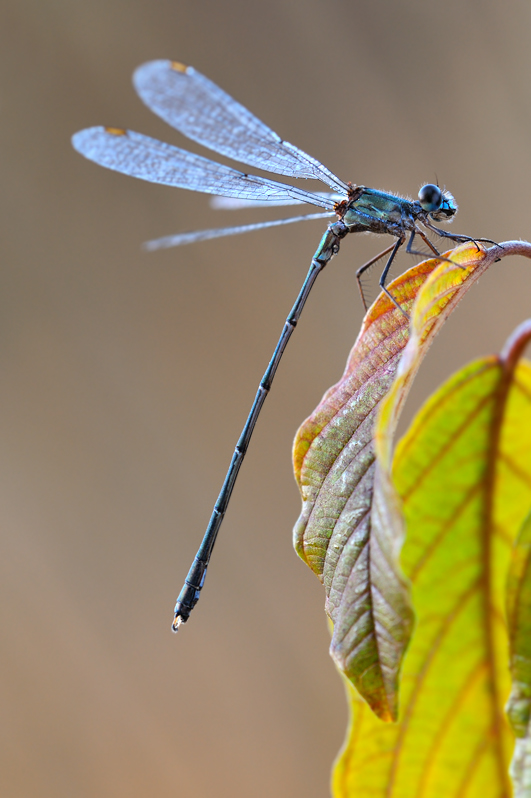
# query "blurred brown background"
(126, 376)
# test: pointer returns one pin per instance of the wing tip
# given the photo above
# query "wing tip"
(79, 139)
(146, 71)
(89, 135)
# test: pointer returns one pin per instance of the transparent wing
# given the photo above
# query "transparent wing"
(220, 232)
(231, 204)
(205, 113)
(140, 156)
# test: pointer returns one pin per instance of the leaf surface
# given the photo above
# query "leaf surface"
(348, 540)
(463, 472)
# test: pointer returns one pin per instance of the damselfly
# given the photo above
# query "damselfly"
(204, 113)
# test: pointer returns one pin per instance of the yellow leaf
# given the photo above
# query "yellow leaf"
(463, 472)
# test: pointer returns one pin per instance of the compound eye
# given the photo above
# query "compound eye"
(430, 197)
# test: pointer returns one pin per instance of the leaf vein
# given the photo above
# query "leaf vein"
(459, 606)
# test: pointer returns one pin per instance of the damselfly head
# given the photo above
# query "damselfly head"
(439, 203)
